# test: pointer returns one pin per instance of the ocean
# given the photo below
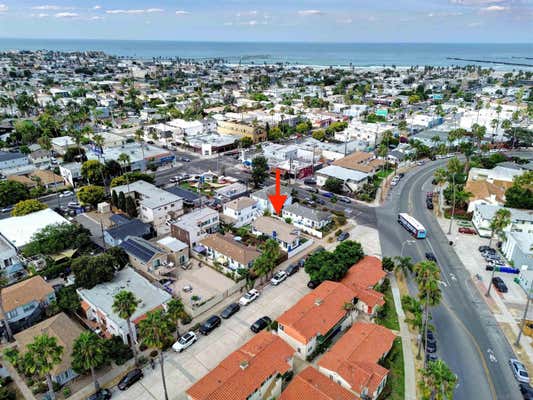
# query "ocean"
(320, 54)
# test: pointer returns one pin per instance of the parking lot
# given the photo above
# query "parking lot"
(183, 369)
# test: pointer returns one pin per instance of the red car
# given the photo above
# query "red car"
(468, 231)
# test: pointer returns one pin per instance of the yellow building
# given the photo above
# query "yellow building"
(256, 133)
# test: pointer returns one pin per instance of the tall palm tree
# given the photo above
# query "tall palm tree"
(3, 282)
(139, 138)
(404, 264)
(427, 279)
(157, 332)
(125, 305)
(98, 141)
(437, 381)
(467, 148)
(124, 161)
(88, 353)
(175, 311)
(501, 219)
(42, 355)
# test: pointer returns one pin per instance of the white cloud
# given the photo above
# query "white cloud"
(345, 21)
(476, 2)
(494, 8)
(3, 8)
(95, 18)
(97, 7)
(139, 11)
(66, 15)
(182, 12)
(475, 24)
(40, 15)
(49, 7)
(310, 12)
(252, 13)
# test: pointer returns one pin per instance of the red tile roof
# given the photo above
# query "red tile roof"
(362, 277)
(355, 356)
(311, 384)
(317, 312)
(264, 355)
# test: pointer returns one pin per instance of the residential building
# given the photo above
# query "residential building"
(24, 302)
(71, 172)
(263, 201)
(10, 161)
(195, 226)
(483, 214)
(97, 303)
(311, 384)
(62, 143)
(140, 157)
(488, 186)
(241, 211)
(236, 128)
(353, 180)
(518, 248)
(307, 219)
(353, 362)
(361, 161)
(19, 230)
(65, 331)
(190, 199)
(318, 316)
(177, 251)
(286, 235)
(144, 255)
(10, 264)
(228, 252)
(255, 371)
(156, 206)
(117, 234)
(231, 192)
(361, 279)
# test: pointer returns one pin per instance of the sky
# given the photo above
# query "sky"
(470, 21)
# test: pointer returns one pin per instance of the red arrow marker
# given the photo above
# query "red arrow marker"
(277, 199)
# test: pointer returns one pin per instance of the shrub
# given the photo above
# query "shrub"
(118, 351)
(67, 391)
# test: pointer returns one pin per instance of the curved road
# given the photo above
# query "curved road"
(469, 338)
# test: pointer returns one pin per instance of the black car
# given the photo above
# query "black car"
(431, 257)
(102, 394)
(230, 310)
(431, 347)
(130, 378)
(320, 201)
(485, 248)
(499, 284)
(527, 391)
(313, 284)
(431, 336)
(260, 324)
(429, 204)
(401, 175)
(310, 181)
(292, 269)
(431, 357)
(210, 324)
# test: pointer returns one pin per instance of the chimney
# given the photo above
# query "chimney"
(318, 301)
(244, 365)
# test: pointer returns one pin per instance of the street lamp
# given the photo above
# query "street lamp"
(517, 343)
(453, 205)
(409, 242)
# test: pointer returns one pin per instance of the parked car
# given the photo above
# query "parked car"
(292, 269)
(260, 324)
(7, 209)
(345, 199)
(102, 394)
(327, 194)
(527, 391)
(486, 249)
(431, 347)
(230, 310)
(313, 284)
(185, 159)
(73, 204)
(499, 284)
(249, 297)
(401, 175)
(278, 277)
(431, 257)
(431, 357)
(310, 181)
(343, 236)
(185, 341)
(468, 231)
(429, 205)
(210, 324)
(130, 378)
(431, 336)
(429, 195)
(66, 193)
(519, 370)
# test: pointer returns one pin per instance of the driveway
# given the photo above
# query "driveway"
(182, 370)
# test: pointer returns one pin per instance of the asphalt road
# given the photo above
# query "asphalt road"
(468, 336)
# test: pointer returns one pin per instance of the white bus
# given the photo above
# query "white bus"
(412, 225)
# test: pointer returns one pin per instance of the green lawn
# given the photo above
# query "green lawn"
(387, 316)
(395, 387)
(384, 173)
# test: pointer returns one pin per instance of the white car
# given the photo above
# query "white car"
(519, 370)
(249, 297)
(185, 341)
(66, 193)
(278, 277)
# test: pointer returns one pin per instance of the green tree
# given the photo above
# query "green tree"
(121, 204)
(68, 300)
(89, 353)
(157, 332)
(90, 271)
(12, 192)
(130, 177)
(93, 172)
(437, 381)
(334, 185)
(404, 264)
(500, 221)
(388, 264)
(246, 142)
(176, 311)
(260, 170)
(333, 266)
(124, 305)
(74, 154)
(26, 207)
(42, 355)
(53, 239)
(319, 134)
(131, 208)
(91, 195)
(26, 131)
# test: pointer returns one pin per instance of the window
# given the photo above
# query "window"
(28, 307)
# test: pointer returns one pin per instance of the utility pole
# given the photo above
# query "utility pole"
(453, 205)
(517, 343)
(490, 283)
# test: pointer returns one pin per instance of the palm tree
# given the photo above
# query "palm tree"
(3, 282)
(98, 141)
(88, 353)
(139, 138)
(427, 278)
(157, 332)
(175, 311)
(124, 161)
(404, 264)
(440, 176)
(467, 148)
(499, 222)
(43, 354)
(125, 305)
(478, 131)
(437, 381)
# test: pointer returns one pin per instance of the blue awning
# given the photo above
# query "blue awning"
(199, 249)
